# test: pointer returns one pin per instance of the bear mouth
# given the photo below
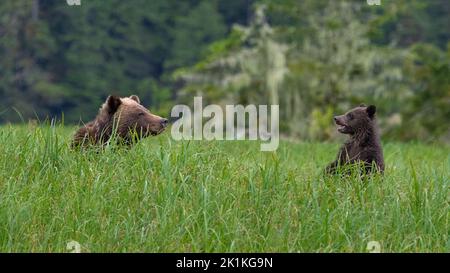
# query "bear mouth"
(341, 127)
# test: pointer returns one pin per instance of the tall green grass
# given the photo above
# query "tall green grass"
(215, 196)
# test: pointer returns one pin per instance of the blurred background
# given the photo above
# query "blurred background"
(315, 58)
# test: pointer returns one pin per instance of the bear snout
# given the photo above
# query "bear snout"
(164, 122)
(338, 120)
(157, 125)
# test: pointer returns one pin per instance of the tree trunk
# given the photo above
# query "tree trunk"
(35, 10)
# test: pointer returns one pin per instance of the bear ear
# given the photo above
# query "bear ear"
(135, 98)
(113, 103)
(362, 105)
(371, 110)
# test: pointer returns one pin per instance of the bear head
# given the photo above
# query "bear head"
(130, 118)
(356, 120)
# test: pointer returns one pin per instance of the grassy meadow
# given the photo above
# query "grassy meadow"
(215, 196)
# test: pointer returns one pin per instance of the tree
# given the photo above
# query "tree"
(332, 69)
(426, 112)
(251, 63)
(24, 46)
(61, 58)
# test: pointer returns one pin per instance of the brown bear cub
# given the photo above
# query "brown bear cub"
(364, 145)
(125, 118)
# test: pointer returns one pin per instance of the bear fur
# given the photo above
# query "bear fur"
(125, 117)
(364, 145)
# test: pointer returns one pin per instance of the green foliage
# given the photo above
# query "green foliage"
(166, 196)
(202, 26)
(319, 126)
(406, 22)
(333, 62)
(70, 58)
(427, 112)
(307, 56)
(248, 67)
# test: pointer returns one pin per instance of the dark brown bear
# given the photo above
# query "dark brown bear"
(364, 145)
(124, 116)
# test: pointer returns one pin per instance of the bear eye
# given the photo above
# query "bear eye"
(141, 114)
(350, 115)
